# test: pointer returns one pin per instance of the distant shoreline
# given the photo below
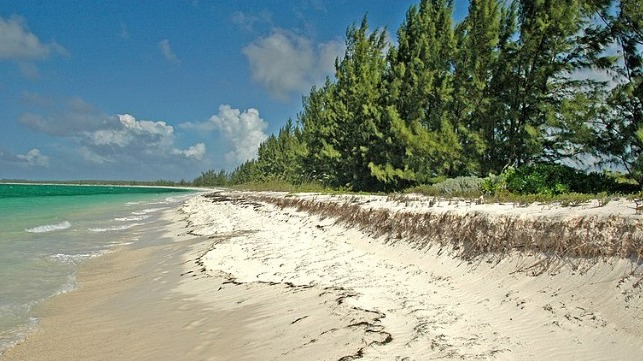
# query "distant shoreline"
(177, 188)
(91, 182)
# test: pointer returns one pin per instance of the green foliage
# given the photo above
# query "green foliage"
(342, 123)
(420, 84)
(279, 156)
(551, 180)
(247, 172)
(466, 187)
(615, 133)
(281, 186)
(566, 200)
(476, 74)
(502, 88)
(211, 178)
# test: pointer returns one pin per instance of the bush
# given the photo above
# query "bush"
(453, 187)
(552, 180)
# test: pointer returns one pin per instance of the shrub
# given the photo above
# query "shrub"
(453, 187)
(551, 180)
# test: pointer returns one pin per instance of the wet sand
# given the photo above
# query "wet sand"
(156, 303)
(124, 309)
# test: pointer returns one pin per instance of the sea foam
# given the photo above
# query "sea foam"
(115, 228)
(73, 258)
(149, 210)
(49, 227)
(133, 218)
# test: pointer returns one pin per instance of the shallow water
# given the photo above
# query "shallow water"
(46, 231)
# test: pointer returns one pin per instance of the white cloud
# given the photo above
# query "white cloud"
(146, 127)
(118, 138)
(105, 139)
(32, 158)
(196, 151)
(328, 53)
(285, 62)
(136, 140)
(132, 137)
(17, 43)
(610, 78)
(244, 131)
(167, 52)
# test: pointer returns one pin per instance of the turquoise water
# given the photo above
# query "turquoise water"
(46, 231)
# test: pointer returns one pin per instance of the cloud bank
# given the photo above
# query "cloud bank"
(104, 139)
(285, 62)
(102, 143)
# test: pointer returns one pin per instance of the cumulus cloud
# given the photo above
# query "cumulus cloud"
(32, 158)
(104, 138)
(285, 62)
(244, 131)
(166, 50)
(196, 151)
(129, 137)
(19, 44)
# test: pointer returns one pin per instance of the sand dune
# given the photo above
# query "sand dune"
(432, 305)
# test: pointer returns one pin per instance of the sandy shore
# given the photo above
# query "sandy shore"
(238, 279)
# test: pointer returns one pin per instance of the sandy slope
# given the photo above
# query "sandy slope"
(423, 304)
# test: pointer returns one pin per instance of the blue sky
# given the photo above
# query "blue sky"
(148, 89)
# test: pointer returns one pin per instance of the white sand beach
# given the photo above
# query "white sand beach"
(238, 277)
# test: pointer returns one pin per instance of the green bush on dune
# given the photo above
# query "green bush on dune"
(552, 180)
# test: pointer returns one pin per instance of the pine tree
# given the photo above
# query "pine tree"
(420, 87)
(279, 156)
(319, 132)
(617, 132)
(342, 122)
(545, 60)
(477, 61)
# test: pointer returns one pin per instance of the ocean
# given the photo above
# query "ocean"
(46, 231)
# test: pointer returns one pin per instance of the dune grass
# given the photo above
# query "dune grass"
(550, 240)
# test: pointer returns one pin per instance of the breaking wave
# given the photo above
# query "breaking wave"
(115, 228)
(49, 227)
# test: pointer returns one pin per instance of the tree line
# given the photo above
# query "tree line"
(515, 83)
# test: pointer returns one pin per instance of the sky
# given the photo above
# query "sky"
(149, 89)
